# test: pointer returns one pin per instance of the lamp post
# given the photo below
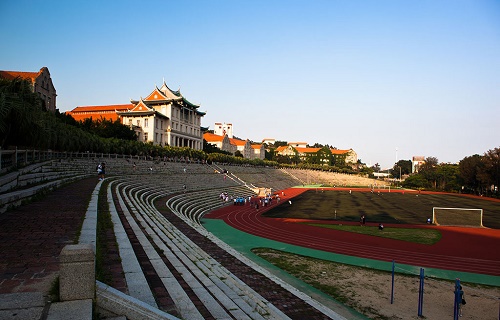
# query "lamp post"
(399, 175)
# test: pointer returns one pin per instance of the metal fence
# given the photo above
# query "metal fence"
(16, 158)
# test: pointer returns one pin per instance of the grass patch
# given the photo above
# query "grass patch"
(416, 235)
(393, 207)
(54, 291)
(349, 284)
(104, 229)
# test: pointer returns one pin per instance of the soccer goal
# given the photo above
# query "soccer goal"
(457, 217)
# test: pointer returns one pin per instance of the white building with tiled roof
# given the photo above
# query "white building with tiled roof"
(222, 129)
(164, 117)
(167, 118)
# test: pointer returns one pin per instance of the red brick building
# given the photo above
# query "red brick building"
(41, 82)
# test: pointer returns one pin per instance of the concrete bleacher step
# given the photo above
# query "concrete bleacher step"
(136, 281)
(115, 305)
(223, 294)
(182, 301)
(190, 256)
(15, 198)
(193, 204)
(219, 272)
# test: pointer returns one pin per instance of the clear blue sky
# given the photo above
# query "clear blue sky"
(422, 77)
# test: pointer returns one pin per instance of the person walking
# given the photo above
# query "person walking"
(362, 220)
(101, 171)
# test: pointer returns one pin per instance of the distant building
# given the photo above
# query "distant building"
(349, 156)
(417, 161)
(381, 175)
(164, 117)
(222, 129)
(99, 112)
(259, 151)
(41, 83)
(221, 142)
(231, 145)
(243, 146)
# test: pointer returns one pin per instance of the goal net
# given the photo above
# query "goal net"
(457, 217)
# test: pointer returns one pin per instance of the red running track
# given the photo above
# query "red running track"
(473, 250)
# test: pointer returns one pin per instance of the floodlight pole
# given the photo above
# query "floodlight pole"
(399, 175)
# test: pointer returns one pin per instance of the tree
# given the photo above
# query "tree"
(366, 170)
(318, 145)
(416, 181)
(447, 176)
(403, 167)
(238, 154)
(108, 128)
(270, 154)
(492, 169)
(326, 156)
(20, 113)
(283, 159)
(212, 148)
(280, 144)
(470, 170)
(428, 170)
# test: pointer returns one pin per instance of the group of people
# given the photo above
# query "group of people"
(263, 201)
(225, 197)
(255, 202)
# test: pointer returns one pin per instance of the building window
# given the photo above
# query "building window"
(145, 136)
(146, 121)
(130, 122)
(138, 122)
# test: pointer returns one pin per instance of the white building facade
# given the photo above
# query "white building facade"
(165, 117)
(222, 129)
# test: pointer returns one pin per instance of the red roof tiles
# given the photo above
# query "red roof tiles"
(99, 112)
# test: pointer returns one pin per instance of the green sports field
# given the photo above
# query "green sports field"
(383, 207)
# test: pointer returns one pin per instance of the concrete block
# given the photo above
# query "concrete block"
(21, 300)
(77, 275)
(71, 310)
